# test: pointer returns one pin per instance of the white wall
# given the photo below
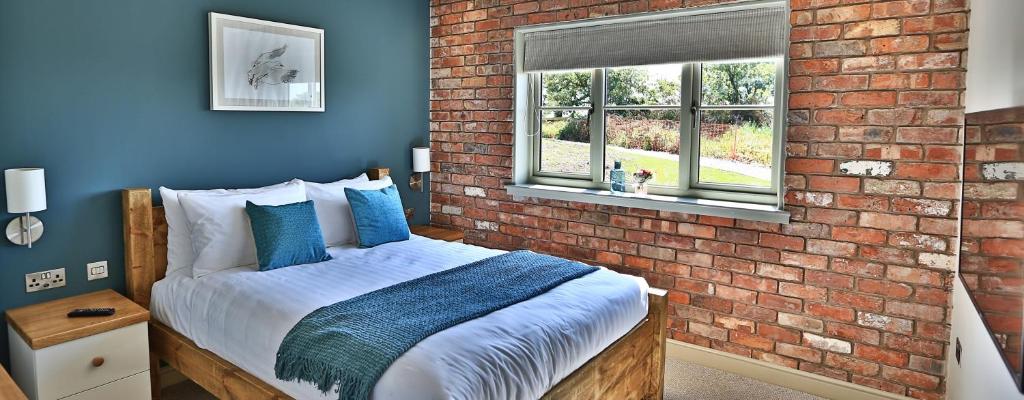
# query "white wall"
(995, 55)
(981, 374)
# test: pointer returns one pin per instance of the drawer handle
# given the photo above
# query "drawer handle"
(97, 361)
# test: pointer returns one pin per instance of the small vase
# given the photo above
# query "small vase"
(641, 189)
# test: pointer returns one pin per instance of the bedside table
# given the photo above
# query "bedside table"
(56, 357)
(434, 232)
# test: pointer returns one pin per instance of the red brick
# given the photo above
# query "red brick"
(781, 241)
(859, 202)
(751, 340)
(779, 302)
(829, 311)
(910, 378)
(811, 100)
(887, 221)
(868, 99)
(806, 292)
(805, 33)
(755, 283)
(880, 355)
(871, 28)
(856, 300)
(926, 171)
(899, 8)
(884, 288)
(935, 23)
(831, 248)
(841, 82)
(858, 235)
(853, 333)
(851, 364)
(809, 166)
(898, 44)
(696, 230)
(834, 183)
(736, 294)
(780, 272)
(709, 331)
(712, 303)
(803, 353)
(844, 14)
(809, 261)
(754, 312)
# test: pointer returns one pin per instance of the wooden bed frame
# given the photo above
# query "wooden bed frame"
(632, 367)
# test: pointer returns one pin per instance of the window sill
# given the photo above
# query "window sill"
(717, 208)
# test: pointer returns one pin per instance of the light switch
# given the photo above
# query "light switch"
(96, 270)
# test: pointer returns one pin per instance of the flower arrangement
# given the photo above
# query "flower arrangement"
(640, 178)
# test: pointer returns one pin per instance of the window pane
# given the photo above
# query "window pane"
(567, 89)
(736, 147)
(647, 139)
(565, 142)
(645, 85)
(738, 83)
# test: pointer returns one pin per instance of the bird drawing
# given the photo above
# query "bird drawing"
(269, 70)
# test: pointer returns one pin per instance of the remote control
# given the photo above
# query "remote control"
(90, 312)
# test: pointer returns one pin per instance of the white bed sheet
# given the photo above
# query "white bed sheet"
(515, 353)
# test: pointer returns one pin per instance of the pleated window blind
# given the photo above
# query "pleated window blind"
(715, 36)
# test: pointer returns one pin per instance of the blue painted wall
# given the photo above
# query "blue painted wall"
(114, 93)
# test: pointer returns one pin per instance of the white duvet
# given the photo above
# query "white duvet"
(515, 353)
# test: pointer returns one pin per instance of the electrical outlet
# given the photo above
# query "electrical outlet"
(96, 270)
(43, 280)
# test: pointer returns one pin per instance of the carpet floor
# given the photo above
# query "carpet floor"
(683, 381)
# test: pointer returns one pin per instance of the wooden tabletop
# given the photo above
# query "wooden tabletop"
(46, 324)
(434, 232)
(8, 389)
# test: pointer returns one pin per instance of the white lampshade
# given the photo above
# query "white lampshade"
(26, 190)
(420, 159)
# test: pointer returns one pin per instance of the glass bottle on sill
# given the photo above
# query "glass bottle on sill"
(618, 178)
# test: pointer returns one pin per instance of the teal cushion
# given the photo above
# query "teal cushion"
(286, 235)
(379, 216)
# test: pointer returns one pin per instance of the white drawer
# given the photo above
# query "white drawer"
(135, 387)
(62, 370)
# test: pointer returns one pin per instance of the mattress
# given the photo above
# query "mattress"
(519, 352)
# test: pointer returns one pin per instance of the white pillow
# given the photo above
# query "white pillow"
(332, 209)
(221, 234)
(179, 236)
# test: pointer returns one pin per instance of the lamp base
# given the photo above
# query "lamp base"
(24, 230)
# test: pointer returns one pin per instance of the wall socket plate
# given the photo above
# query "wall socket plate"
(96, 270)
(43, 280)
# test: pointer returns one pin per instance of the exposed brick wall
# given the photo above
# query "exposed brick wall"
(855, 288)
(992, 258)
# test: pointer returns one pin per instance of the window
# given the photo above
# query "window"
(672, 92)
(706, 130)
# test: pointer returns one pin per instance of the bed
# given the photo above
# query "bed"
(611, 346)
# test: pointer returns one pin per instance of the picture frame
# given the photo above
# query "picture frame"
(258, 65)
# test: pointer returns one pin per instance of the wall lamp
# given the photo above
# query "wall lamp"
(26, 194)
(420, 166)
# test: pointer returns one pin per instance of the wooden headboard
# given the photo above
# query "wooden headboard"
(145, 240)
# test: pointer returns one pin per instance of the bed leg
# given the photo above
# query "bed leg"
(658, 313)
(154, 375)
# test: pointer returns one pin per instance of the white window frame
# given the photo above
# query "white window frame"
(764, 204)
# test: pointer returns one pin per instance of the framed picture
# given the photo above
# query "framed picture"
(260, 65)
